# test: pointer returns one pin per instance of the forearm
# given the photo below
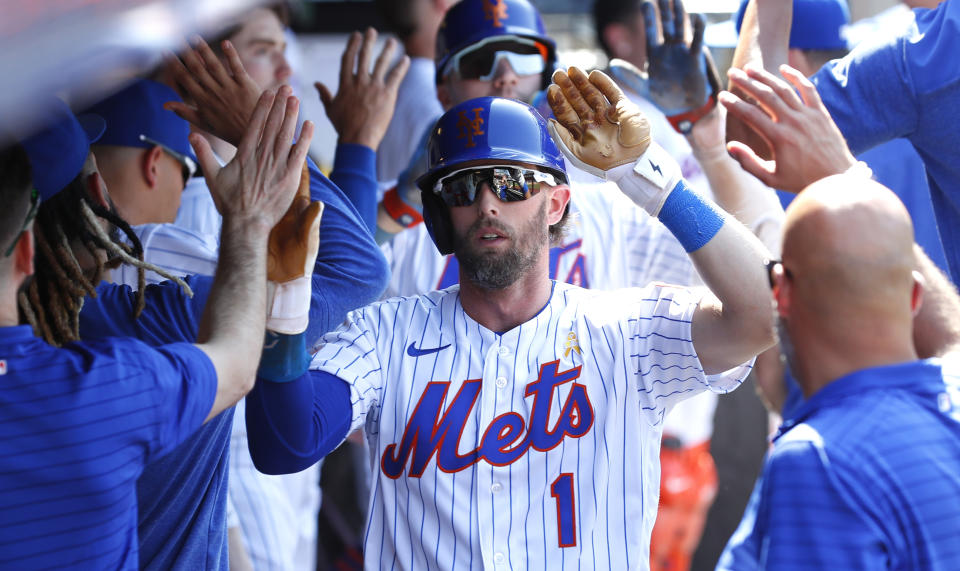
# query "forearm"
(752, 203)
(736, 321)
(293, 425)
(764, 35)
(354, 171)
(231, 330)
(350, 271)
(936, 328)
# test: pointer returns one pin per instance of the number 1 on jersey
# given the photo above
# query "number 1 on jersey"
(562, 490)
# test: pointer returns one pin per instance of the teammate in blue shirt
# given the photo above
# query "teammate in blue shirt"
(866, 474)
(78, 423)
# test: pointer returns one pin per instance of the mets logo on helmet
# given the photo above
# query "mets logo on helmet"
(495, 10)
(470, 128)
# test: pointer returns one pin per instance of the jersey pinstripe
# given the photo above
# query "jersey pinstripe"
(531, 449)
(172, 248)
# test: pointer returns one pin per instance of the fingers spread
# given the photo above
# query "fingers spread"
(571, 91)
(597, 102)
(287, 129)
(325, 96)
(561, 108)
(610, 90)
(699, 25)
(398, 72)
(211, 62)
(749, 114)
(667, 21)
(753, 164)
(208, 163)
(779, 95)
(363, 61)
(298, 154)
(349, 58)
(386, 56)
(679, 21)
(184, 111)
(237, 70)
(248, 144)
(651, 24)
(807, 90)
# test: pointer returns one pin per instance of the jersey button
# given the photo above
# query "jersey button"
(501, 382)
(504, 351)
(496, 488)
(498, 558)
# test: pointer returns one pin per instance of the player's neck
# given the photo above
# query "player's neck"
(503, 309)
(9, 316)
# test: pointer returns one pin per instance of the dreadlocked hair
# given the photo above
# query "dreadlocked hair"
(51, 303)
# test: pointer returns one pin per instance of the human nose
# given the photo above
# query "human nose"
(283, 68)
(487, 200)
(504, 76)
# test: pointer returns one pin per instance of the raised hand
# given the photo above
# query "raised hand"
(364, 104)
(259, 184)
(221, 98)
(596, 126)
(805, 142)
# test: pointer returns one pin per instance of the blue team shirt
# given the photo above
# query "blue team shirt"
(909, 87)
(182, 496)
(865, 476)
(77, 425)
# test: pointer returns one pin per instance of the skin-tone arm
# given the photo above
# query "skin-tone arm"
(252, 193)
(936, 328)
(733, 323)
(764, 44)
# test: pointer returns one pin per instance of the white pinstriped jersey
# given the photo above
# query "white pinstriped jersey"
(174, 249)
(532, 449)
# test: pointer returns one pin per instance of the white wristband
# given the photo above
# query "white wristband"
(649, 180)
(290, 306)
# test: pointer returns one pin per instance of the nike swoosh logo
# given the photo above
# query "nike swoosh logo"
(414, 352)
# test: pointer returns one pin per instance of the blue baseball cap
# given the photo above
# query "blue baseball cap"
(817, 24)
(58, 150)
(136, 118)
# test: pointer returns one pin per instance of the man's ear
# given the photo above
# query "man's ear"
(916, 295)
(617, 36)
(97, 189)
(443, 96)
(150, 165)
(558, 200)
(23, 254)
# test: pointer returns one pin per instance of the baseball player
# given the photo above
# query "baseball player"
(79, 423)
(514, 420)
(610, 243)
(177, 513)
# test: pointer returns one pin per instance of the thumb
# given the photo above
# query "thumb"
(325, 96)
(208, 163)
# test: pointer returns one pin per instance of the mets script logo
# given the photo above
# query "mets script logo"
(509, 436)
(470, 128)
(495, 10)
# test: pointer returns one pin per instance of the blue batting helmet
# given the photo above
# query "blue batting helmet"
(479, 131)
(470, 22)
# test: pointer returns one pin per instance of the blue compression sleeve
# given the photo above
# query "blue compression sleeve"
(691, 219)
(293, 425)
(284, 357)
(355, 172)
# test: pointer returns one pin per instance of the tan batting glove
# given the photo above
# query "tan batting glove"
(291, 255)
(597, 126)
(604, 133)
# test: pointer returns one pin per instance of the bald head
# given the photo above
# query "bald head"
(848, 242)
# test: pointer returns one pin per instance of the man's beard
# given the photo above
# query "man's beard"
(497, 270)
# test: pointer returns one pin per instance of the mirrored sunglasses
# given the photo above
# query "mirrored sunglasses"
(480, 61)
(509, 183)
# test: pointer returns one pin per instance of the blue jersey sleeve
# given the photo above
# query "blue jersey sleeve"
(170, 316)
(292, 425)
(354, 171)
(351, 270)
(808, 520)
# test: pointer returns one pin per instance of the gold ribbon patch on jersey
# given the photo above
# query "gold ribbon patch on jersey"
(571, 345)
